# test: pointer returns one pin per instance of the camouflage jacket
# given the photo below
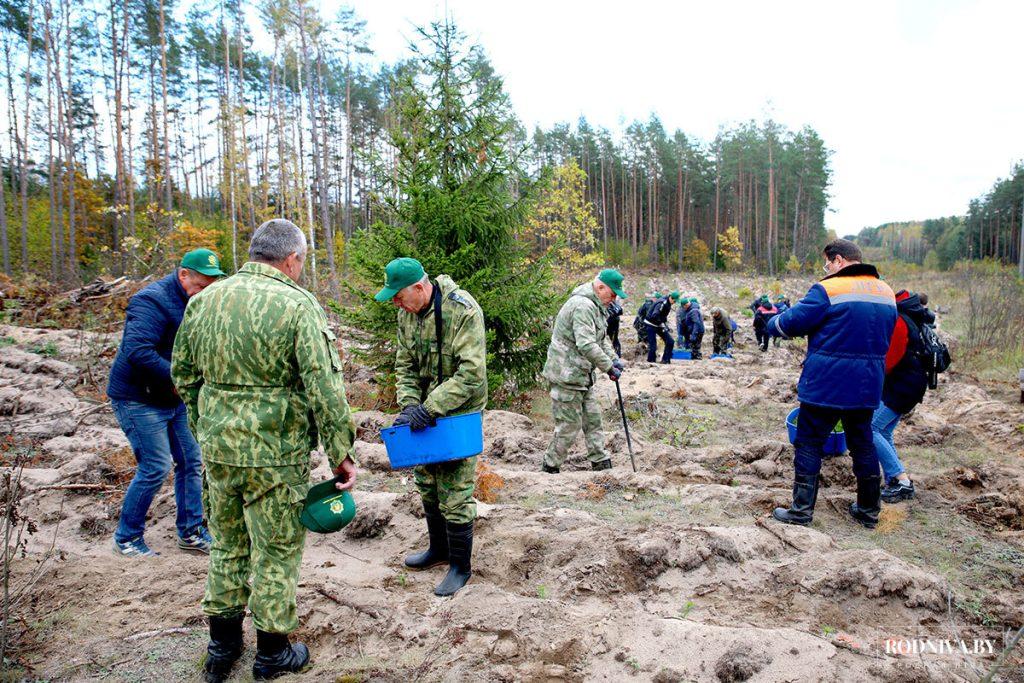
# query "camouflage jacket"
(579, 342)
(463, 353)
(258, 369)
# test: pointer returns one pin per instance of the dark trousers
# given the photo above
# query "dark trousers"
(815, 424)
(652, 343)
(762, 338)
(695, 343)
(615, 342)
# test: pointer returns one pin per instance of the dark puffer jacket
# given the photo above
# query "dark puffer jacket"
(848, 320)
(142, 368)
(906, 379)
(657, 314)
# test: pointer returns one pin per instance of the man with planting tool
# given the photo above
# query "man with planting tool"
(579, 346)
(440, 370)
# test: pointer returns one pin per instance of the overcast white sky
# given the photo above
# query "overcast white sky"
(922, 101)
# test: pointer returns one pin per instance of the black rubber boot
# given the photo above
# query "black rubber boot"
(805, 494)
(550, 470)
(276, 656)
(460, 549)
(225, 647)
(605, 464)
(868, 504)
(437, 552)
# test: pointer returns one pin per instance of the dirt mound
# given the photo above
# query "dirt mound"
(672, 573)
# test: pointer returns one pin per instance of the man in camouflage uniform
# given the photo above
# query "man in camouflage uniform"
(579, 345)
(721, 325)
(258, 369)
(426, 392)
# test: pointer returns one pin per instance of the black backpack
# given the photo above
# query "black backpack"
(641, 315)
(934, 354)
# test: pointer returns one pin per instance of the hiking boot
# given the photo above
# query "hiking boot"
(198, 541)
(437, 551)
(135, 547)
(605, 464)
(460, 549)
(276, 656)
(667, 361)
(805, 494)
(225, 647)
(550, 470)
(868, 504)
(897, 491)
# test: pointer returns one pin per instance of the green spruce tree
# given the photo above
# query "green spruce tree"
(452, 193)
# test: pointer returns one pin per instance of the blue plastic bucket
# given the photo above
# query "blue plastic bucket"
(456, 437)
(681, 354)
(726, 356)
(834, 444)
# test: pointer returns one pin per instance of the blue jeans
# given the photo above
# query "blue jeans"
(159, 438)
(813, 428)
(883, 424)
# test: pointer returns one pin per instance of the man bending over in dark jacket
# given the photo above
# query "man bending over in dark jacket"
(848, 319)
(149, 411)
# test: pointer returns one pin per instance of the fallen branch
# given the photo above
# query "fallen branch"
(345, 602)
(159, 632)
(336, 549)
(76, 487)
(87, 413)
(759, 521)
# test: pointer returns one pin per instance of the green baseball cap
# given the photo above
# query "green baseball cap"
(327, 509)
(202, 261)
(675, 296)
(398, 275)
(613, 279)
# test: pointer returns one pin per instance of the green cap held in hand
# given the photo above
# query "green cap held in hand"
(202, 261)
(327, 509)
(613, 279)
(398, 275)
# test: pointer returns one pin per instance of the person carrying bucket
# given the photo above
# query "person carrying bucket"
(579, 346)
(440, 370)
(848, 319)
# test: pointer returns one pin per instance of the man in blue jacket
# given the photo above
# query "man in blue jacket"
(848, 319)
(149, 411)
(655, 323)
(694, 327)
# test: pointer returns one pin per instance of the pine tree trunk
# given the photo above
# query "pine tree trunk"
(25, 140)
(56, 230)
(166, 166)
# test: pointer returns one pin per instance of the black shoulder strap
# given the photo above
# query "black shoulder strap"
(439, 332)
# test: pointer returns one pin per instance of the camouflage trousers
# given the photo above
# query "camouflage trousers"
(253, 515)
(450, 486)
(571, 409)
(720, 342)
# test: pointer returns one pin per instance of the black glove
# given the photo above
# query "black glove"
(614, 373)
(403, 417)
(420, 418)
(617, 363)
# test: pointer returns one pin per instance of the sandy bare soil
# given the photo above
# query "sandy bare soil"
(672, 573)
